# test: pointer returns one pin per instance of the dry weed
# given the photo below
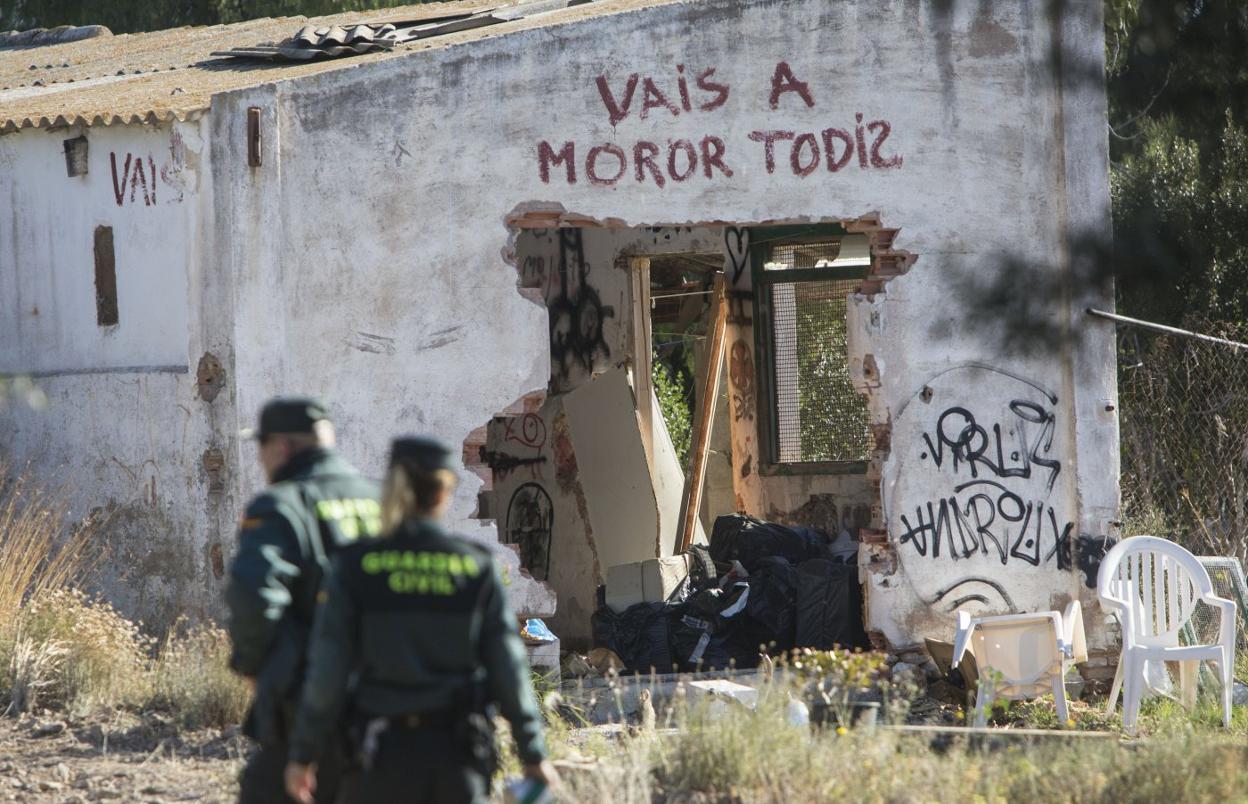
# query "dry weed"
(734, 754)
(39, 551)
(33, 667)
(79, 653)
(192, 680)
(106, 661)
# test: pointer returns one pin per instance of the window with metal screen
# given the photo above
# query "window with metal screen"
(816, 414)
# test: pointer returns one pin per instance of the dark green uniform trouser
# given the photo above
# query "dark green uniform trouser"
(263, 780)
(424, 764)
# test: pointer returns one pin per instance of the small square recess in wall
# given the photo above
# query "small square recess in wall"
(76, 156)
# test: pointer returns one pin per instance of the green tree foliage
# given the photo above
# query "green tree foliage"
(675, 406)
(1178, 97)
(128, 16)
(833, 414)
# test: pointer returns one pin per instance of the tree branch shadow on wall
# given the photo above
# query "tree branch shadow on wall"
(1022, 301)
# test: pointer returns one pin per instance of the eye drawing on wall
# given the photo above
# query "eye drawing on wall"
(576, 312)
(530, 521)
(741, 373)
(529, 430)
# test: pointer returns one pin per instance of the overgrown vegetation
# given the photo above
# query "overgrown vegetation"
(1178, 133)
(675, 404)
(724, 752)
(1184, 435)
(832, 413)
(62, 649)
(1178, 100)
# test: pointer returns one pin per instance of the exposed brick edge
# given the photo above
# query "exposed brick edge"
(878, 555)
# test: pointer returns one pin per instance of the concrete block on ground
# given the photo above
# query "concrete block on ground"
(723, 688)
(544, 657)
(651, 581)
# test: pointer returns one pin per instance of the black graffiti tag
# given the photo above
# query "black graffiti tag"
(530, 524)
(984, 518)
(1089, 551)
(577, 313)
(737, 250)
(972, 445)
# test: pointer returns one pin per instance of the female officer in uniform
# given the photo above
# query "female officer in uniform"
(419, 621)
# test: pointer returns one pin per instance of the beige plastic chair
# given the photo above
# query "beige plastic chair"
(1153, 585)
(1031, 653)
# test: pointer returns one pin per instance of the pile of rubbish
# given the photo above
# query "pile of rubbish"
(759, 587)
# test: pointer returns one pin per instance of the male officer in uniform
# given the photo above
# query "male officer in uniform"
(316, 504)
(419, 619)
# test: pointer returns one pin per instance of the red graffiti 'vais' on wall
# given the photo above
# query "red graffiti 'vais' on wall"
(678, 160)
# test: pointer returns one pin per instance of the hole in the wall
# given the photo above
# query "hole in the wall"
(76, 156)
(216, 559)
(516, 457)
(213, 461)
(209, 377)
(253, 137)
(106, 311)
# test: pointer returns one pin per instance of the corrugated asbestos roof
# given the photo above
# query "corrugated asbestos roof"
(172, 75)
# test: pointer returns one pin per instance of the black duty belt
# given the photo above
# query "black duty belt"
(442, 718)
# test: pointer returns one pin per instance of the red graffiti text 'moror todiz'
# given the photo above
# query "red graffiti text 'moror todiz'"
(678, 160)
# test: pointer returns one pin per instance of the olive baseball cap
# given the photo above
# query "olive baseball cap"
(290, 414)
(426, 454)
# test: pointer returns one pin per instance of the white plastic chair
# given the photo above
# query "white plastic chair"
(1153, 586)
(1031, 652)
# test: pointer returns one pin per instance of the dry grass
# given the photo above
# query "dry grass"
(192, 680)
(32, 669)
(735, 755)
(106, 655)
(62, 649)
(39, 552)
(40, 556)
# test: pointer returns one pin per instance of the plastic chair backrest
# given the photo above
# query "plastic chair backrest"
(1019, 649)
(1156, 583)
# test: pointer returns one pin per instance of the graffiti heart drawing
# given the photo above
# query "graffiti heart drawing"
(737, 250)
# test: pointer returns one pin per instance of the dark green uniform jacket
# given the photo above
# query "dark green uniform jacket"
(421, 619)
(317, 504)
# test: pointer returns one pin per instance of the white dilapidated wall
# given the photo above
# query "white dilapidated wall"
(128, 429)
(373, 256)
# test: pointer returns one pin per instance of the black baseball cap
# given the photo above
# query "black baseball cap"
(426, 454)
(289, 414)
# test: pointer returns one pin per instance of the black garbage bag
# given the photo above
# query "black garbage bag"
(697, 645)
(638, 635)
(718, 606)
(711, 630)
(772, 608)
(702, 571)
(737, 537)
(829, 606)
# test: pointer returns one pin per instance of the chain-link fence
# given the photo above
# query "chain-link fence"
(1184, 432)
